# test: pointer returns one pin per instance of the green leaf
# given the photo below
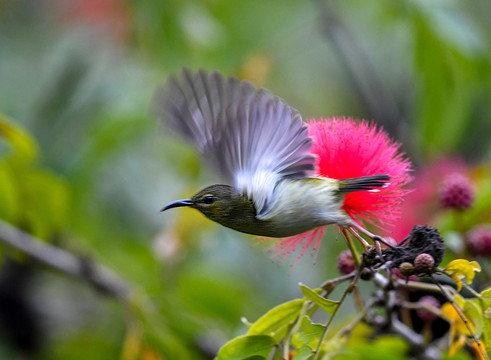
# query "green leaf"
(486, 319)
(444, 87)
(384, 347)
(303, 353)
(11, 208)
(325, 304)
(48, 199)
(281, 333)
(277, 317)
(473, 311)
(20, 141)
(486, 293)
(310, 331)
(333, 345)
(246, 347)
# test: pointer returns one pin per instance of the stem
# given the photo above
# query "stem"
(458, 216)
(349, 329)
(417, 306)
(352, 247)
(350, 287)
(132, 343)
(419, 285)
(329, 285)
(358, 298)
(462, 317)
(464, 284)
(294, 329)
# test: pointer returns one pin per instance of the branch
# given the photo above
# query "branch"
(97, 275)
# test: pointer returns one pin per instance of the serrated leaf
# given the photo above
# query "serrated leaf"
(246, 347)
(325, 304)
(276, 318)
(310, 331)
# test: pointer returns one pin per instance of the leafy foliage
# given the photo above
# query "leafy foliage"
(82, 167)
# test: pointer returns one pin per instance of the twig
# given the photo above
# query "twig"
(464, 284)
(416, 306)
(329, 285)
(95, 274)
(294, 329)
(352, 248)
(418, 285)
(347, 330)
(350, 287)
(462, 317)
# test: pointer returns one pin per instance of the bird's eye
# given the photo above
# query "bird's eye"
(208, 200)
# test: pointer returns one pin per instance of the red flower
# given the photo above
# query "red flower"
(346, 148)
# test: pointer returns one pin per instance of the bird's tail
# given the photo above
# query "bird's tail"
(364, 183)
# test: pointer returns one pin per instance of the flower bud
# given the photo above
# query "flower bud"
(424, 263)
(478, 240)
(397, 273)
(456, 192)
(406, 269)
(346, 263)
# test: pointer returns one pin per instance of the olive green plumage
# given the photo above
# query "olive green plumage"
(261, 146)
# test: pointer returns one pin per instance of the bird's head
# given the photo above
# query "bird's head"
(220, 203)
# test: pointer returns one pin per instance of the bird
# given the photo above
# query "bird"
(261, 147)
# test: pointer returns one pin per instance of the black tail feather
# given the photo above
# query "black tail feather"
(364, 183)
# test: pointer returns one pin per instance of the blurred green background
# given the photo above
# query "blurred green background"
(84, 167)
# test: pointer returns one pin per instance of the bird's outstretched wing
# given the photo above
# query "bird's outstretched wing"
(252, 136)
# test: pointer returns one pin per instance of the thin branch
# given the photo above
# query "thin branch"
(352, 248)
(329, 285)
(462, 317)
(348, 290)
(100, 277)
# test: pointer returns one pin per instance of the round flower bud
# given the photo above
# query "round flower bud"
(346, 263)
(406, 269)
(426, 315)
(424, 263)
(456, 192)
(478, 240)
(396, 272)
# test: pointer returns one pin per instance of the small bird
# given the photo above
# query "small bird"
(262, 148)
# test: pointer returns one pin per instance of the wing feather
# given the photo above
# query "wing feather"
(253, 137)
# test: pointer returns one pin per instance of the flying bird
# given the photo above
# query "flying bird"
(261, 147)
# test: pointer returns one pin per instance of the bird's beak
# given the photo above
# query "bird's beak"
(178, 203)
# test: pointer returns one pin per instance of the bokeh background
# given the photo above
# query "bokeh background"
(84, 167)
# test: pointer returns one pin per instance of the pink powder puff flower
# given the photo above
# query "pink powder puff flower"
(421, 205)
(347, 148)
